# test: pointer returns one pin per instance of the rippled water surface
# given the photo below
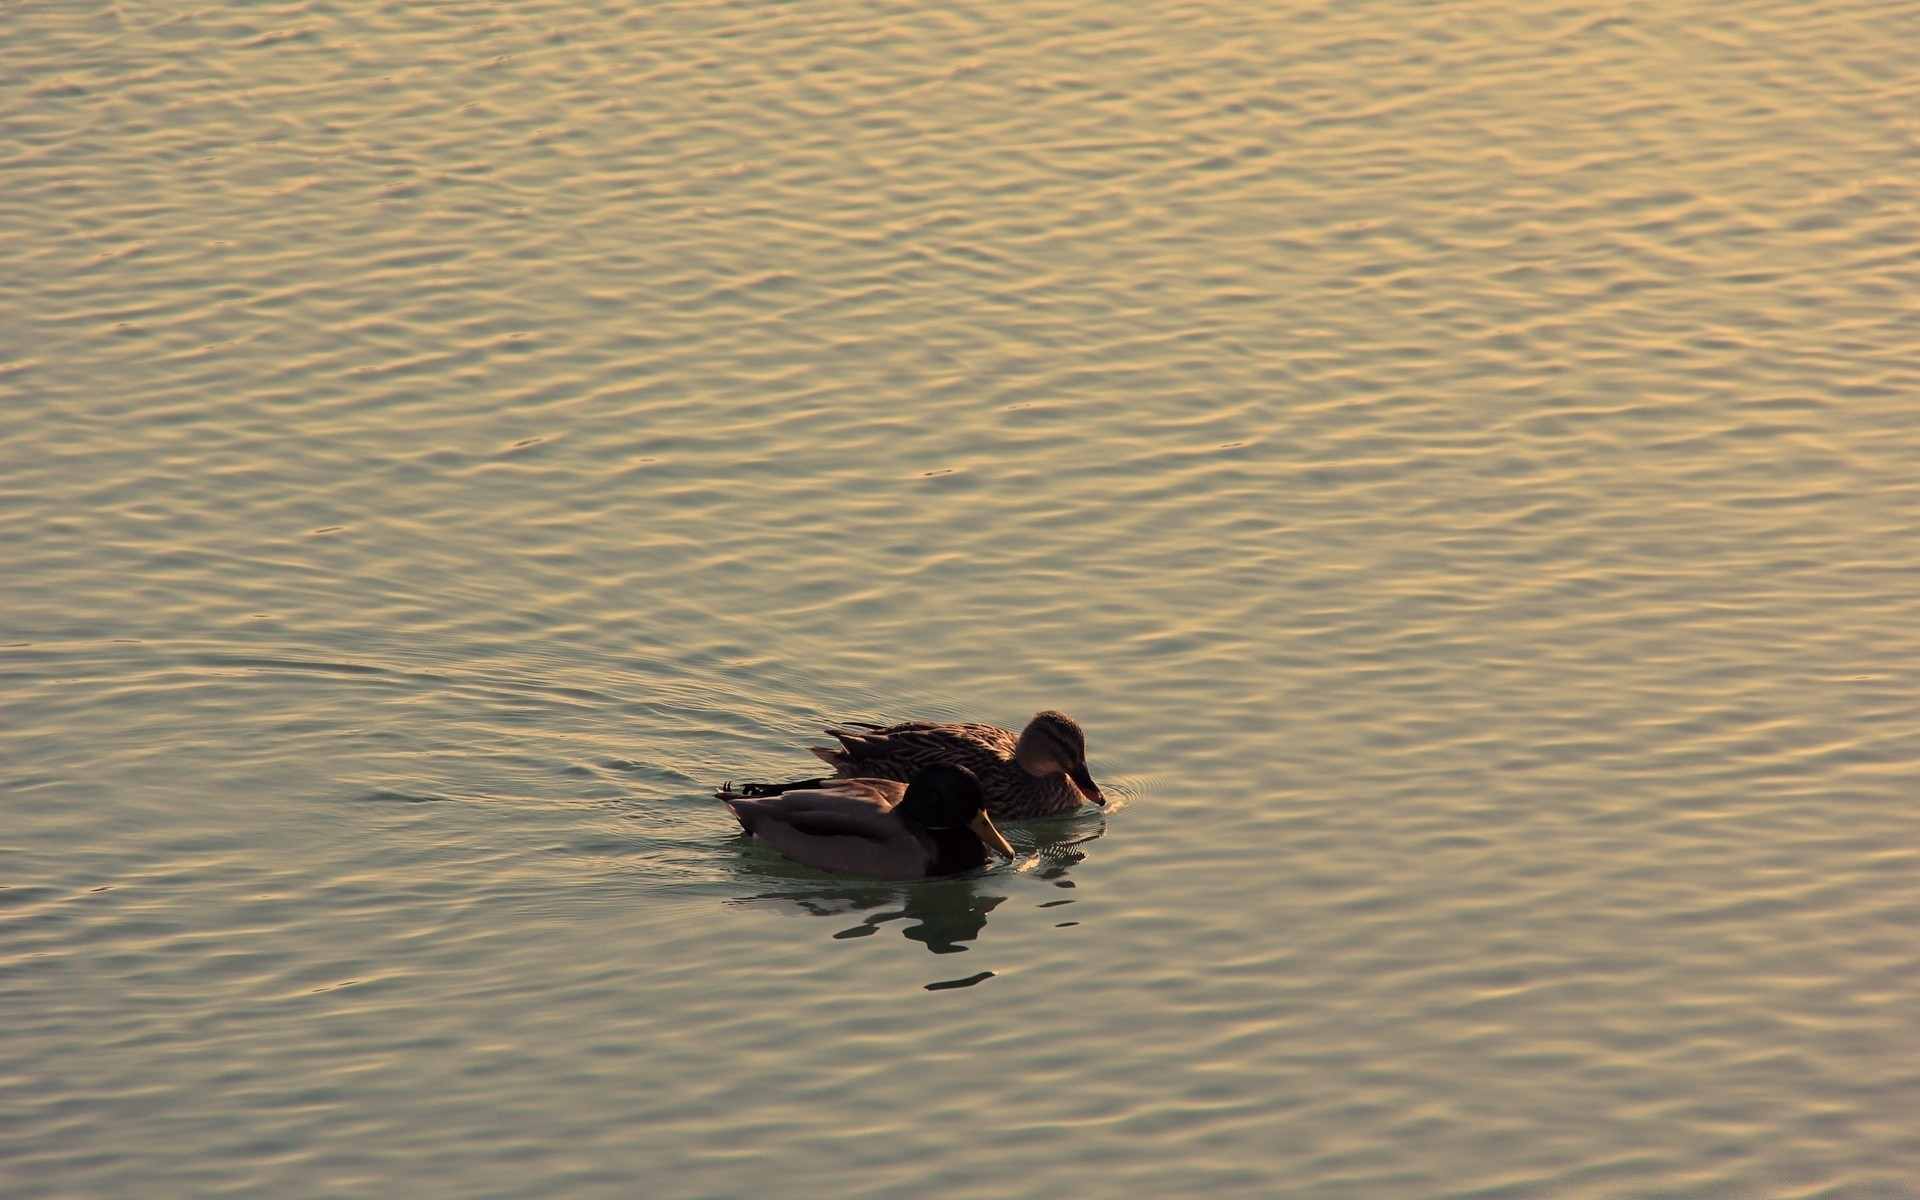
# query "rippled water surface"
(1460, 462)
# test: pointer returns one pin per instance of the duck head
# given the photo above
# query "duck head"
(945, 796)
(1053, 744)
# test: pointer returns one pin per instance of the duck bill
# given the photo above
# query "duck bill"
(1085, 783)
(983, 825)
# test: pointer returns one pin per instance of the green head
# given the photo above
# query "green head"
(946, 796)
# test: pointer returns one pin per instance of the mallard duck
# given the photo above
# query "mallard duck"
(1040, 772)
(935, 825)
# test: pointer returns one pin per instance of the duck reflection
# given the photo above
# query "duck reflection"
(944, 915)
(941, 917)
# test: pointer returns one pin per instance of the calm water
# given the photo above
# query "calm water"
(1461, 463)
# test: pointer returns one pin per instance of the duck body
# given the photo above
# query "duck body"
(880, 828)
(1039, 772)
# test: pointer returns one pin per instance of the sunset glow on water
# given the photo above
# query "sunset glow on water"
(1459, 463)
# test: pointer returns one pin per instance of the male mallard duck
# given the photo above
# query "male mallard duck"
(1041, 772)
(935, 825)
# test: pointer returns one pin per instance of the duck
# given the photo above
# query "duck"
(936, 824)
(1039, 772)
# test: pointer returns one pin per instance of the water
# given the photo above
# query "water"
(1458, 463)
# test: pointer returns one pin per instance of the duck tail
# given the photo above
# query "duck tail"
(734, 804)
(731, 791)
(760, 791)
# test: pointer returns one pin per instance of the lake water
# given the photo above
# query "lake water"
(1461, 463)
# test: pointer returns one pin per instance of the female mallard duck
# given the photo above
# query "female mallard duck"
(935, 825)
(1041, 772)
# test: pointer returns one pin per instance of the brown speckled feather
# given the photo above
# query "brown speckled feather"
(897, 751)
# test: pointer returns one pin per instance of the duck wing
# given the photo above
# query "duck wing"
(854, 797)
(901, 750)
(851, 829)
